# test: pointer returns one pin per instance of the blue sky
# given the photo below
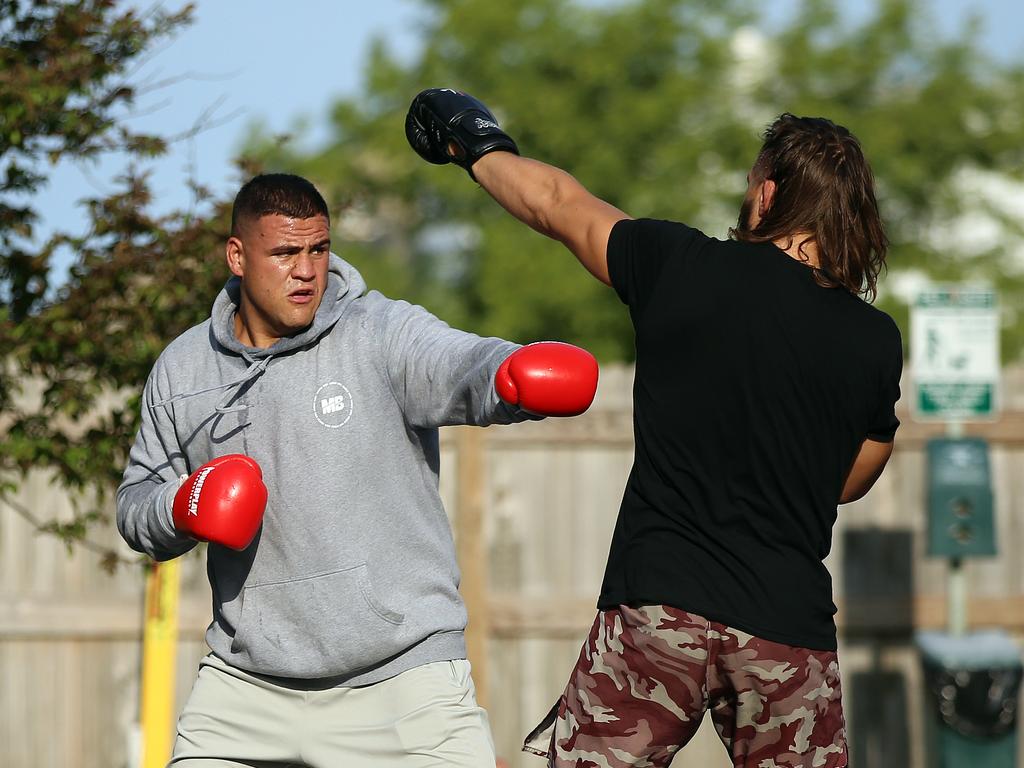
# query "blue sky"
(254, 62)
(240, 63)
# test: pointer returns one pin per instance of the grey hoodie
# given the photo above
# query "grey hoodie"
(352, 577)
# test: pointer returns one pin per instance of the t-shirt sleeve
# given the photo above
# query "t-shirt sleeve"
(638, 250)
(884, 424)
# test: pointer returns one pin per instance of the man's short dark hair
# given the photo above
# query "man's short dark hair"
(276, 193)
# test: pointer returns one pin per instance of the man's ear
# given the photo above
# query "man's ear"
(766, 197)
(234, 252)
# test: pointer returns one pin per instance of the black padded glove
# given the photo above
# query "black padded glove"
(446, 126)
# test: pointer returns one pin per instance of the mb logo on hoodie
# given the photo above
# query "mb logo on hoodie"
(332, 405)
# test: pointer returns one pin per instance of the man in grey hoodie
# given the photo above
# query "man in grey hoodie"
(337, 633)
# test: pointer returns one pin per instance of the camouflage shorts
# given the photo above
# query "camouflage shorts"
(646, 676)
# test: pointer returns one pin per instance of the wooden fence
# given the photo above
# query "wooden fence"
(532, 507)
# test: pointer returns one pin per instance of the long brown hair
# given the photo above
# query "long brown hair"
(824, 186)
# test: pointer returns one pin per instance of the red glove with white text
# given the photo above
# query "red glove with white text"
(548, 378)
(222, 502)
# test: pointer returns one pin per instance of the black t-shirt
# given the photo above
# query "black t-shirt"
(754, 390)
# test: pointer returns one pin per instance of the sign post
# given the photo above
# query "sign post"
(954, 340)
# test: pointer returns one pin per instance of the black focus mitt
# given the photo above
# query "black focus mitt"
(447, 126)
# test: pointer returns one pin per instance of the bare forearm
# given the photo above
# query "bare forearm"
(449, 126)
(532, 191)
(553, 203)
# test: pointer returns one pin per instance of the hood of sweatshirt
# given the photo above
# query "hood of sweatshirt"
(344, 285)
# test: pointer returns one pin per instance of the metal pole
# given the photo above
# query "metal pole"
(956, 585)
(159, 646)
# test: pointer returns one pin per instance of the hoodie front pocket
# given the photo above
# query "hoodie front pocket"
(330, 624)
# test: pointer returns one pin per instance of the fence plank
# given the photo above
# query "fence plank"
(469, 517)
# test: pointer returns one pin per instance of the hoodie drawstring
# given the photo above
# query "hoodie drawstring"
(256, 367)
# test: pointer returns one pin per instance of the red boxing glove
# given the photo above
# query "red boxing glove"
(548, 378)
(222, 502)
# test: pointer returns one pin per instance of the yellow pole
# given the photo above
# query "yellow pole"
(159, 645)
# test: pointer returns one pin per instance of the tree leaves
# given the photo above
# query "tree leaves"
(75, 359)
(657, 106)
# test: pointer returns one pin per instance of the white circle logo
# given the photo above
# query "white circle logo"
(332, 405)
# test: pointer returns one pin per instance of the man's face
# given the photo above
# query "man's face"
(283, 265)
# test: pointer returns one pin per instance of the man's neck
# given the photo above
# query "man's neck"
(245, 334)
(800, 246)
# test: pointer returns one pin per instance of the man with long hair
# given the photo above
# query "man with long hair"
(764, 397)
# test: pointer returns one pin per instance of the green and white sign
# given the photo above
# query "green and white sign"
(954, 347)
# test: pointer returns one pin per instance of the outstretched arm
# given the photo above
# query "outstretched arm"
(552, 202)
(447, 126)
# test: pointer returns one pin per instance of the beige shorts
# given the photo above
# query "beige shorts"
(427, 716)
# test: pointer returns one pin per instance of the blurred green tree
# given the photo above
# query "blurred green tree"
(657, 106)
(75, 355)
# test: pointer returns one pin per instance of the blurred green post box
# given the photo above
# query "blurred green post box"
(960, 519)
